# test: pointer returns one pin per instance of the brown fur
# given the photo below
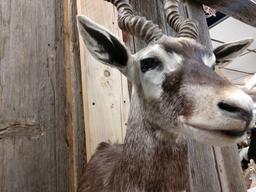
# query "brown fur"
(145, 163)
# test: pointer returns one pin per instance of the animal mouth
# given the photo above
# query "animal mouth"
(234, 133)
(229, 133)
(216, 137)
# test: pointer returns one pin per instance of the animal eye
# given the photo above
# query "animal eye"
(149, 64)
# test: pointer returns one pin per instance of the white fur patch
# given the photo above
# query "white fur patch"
(152, 80)
(209, 60)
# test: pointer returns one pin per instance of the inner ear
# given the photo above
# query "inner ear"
(229, 51)
(107, 43)
(104, 46)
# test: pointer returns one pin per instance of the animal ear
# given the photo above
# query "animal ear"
(104, 46)
(229, 51)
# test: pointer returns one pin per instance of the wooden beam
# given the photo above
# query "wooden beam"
(243, 10)
(105, 90)
(75, 117)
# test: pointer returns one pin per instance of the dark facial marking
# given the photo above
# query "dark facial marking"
(149, 64)
(172, 95)
(173, 82)
(117, 53)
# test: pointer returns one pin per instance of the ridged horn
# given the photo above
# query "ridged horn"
(134, 24)
(184, 27)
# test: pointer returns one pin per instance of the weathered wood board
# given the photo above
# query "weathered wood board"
(105, 93)
(32, 79)
(35, 110)
(75, 116)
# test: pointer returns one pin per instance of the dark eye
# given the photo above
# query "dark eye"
(149, 64)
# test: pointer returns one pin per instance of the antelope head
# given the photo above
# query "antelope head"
(174, 77)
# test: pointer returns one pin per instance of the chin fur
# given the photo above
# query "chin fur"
(211, 137)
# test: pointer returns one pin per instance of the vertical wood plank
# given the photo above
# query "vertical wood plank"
(75, 117)
(229, 168)
(33, 89)
(106, 101)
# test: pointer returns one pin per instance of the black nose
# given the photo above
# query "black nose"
(237, 111)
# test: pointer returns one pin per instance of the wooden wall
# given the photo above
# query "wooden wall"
(41, 142)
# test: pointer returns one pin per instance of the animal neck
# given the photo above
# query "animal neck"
(143, 136)
(150, 155)
(143, 133)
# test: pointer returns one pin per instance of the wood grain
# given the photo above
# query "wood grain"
(105, 93)
(33, 96)
(75, 116)
(229, 168)
(10, 129)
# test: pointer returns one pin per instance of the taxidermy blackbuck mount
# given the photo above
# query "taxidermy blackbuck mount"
(176, 93)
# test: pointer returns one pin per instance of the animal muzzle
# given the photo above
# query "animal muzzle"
(228, 110)
(237, 105)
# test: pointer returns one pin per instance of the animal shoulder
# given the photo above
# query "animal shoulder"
(100, 167)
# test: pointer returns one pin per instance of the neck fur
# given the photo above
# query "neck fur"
(143, 135)
(152, 158)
